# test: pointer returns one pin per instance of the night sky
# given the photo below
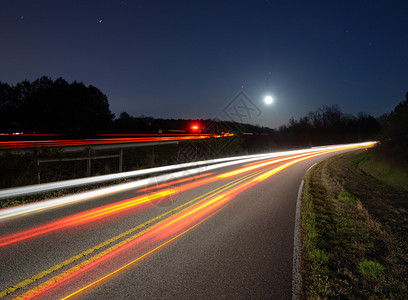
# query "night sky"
(189, 59)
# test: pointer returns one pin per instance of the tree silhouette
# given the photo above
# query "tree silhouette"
(47, 106)
(8, 109)
(327, 125)
(394, 135)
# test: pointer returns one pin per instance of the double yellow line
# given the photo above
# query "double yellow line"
(150, 223)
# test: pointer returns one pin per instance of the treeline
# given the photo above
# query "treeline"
(47, 106)
(126, 123)
(394, 137)
(76, 110)
(328, 125)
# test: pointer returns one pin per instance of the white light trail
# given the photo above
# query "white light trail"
(208, 165)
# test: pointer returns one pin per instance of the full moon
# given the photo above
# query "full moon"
(268, 100)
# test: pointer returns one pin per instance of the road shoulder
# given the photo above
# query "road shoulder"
(353, 229)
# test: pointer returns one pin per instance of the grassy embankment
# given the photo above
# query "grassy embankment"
(354, 229)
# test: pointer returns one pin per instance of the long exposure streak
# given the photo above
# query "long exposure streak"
(79, 142)
(174, 223)
(107, 210)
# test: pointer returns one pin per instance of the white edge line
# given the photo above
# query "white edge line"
(297, 245)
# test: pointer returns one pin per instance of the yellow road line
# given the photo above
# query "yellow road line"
(137, 259)
(113, 239)
(91, 259)
(116, 246)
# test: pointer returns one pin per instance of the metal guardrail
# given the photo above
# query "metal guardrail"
(46, 187)
(92, 145)
(52, 186)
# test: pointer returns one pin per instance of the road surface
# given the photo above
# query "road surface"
(221, 233)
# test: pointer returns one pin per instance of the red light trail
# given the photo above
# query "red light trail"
(139, 201)
(167, 228)
(159, 234)
(140, 138)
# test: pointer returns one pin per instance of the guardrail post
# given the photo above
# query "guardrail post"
(120, 159)
(37, 155)
(153, 156)
(88, 169)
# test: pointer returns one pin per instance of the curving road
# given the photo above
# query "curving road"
(218, 233)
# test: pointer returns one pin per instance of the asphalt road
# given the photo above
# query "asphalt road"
(214, 235)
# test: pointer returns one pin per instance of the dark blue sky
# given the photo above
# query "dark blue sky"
(189, 59)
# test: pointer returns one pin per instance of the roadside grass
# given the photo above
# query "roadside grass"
(349, 248)
(371, 268)
(383, 171)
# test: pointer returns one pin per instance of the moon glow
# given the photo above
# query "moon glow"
(268, 100)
